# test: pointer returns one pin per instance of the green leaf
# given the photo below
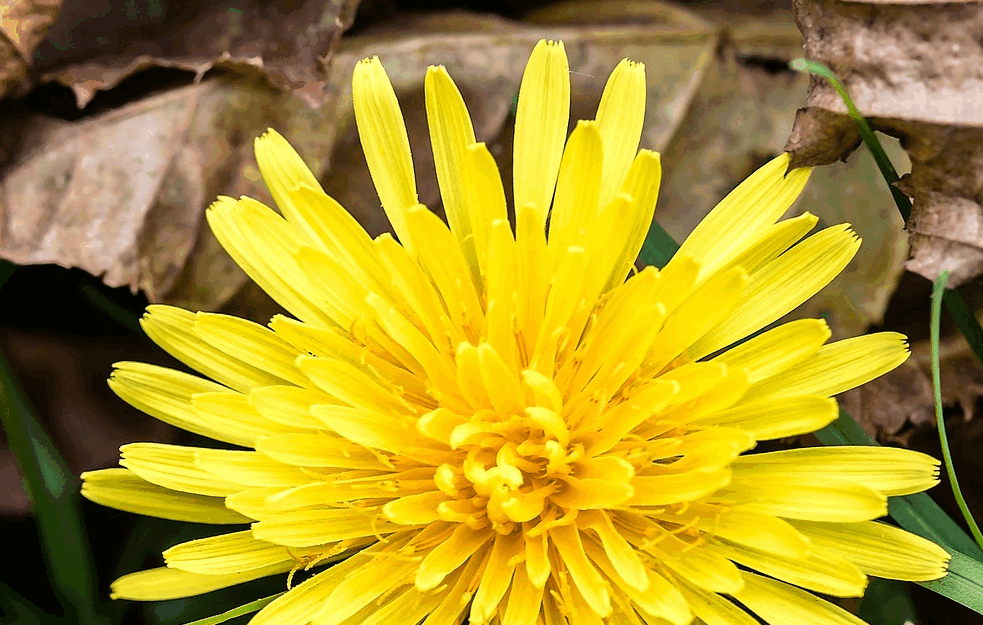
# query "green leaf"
(964, 582)
(965, 320)
(248, 608)
(887, 602)
(53, 490)
(658, 247)
(937, 289)
(15, 608)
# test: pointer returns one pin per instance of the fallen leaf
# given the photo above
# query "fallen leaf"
(23, 24)
(96, 44)
(913, 70)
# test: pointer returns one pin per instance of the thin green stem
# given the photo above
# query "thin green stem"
(937, 291)
(866, 133)
(248, 608)
(953, 300)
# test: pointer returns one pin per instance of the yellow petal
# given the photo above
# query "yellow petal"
(879, 549)
(575, 204)
(623, 557)
(712, 609)
(288, 405)
(230, 410)
(173, 466)
(774, 240)
(174, 329)
(783, 284)
(250, 343)
(819, 572)
(263, 244)
(121, 489)
(415, 509)
(837, 367)
(249, 468)
(486, 198)
(541, 126)
(807, 498)
(662, 490)
(167, 395)
(226, 554)
(620, 116)
(524, 601)
(588, 581)
(496, 578)
(739, 218)
(778, 349)
(705, 567)
(642, 184)
(164, 583)
(450, 554)
(451, 134)
(777, 417)
(305, 528)
(889, 470)
(781, 604)
(305, 600)
(318, 450)
(384, 142)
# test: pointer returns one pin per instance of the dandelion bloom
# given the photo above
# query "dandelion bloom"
(511, 426)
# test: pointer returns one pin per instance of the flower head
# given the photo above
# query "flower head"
(507, 425)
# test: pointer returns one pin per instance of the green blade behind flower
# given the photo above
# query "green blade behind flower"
(54, 493)
(246, 608)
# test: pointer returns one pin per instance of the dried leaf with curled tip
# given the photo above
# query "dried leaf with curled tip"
(914, 69)
(23, 25)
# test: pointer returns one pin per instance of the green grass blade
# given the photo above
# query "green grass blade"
(866, 133)
(964, 582)
(248, 608)
(953, 300)
(937, 290)
(658, 247)
(965, 320)
(887, 602)
(54, 493)
(15, 608)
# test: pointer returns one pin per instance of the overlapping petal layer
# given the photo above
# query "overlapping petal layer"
(502, 422)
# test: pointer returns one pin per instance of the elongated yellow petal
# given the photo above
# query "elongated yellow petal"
(783, 284)
(167, 394)
(524, 601)
(304, 528)
(318, 450)
(575, 204)
(879, 549)
(807, 498)
(825, 573)
(250, 343)
(889, 470)
(659, 490)
(837, 367)
(737, 220)
(123, 490)
(781, 604)
(496, 578)
(451, 134)
(777, 417)
(173, 466)
(448, 555)
(588, 581)
(778, 349)
(642, 184)
(233, 410)
(620, 116)
(773, 241)
(165, 583)
(541, 127)
(305, 600)
(262, 243)
(226, 554)
(249, 468)
(384, 142)
(174, 329)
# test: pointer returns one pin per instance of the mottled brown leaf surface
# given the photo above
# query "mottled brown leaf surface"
(23, 25)
(122, 194)
(95, 44)
(916, 70)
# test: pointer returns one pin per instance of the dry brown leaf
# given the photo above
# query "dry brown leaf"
(914, 69)
(716, 109)
(890, 406)
(95, 44)
(23, 24)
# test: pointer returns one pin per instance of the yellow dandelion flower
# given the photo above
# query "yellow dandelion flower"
(510, 426)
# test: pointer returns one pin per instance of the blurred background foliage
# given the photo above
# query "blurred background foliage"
(120, 120)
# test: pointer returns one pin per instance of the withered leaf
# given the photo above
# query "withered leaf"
(23, 24)
(914, 69)
(95, 44)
